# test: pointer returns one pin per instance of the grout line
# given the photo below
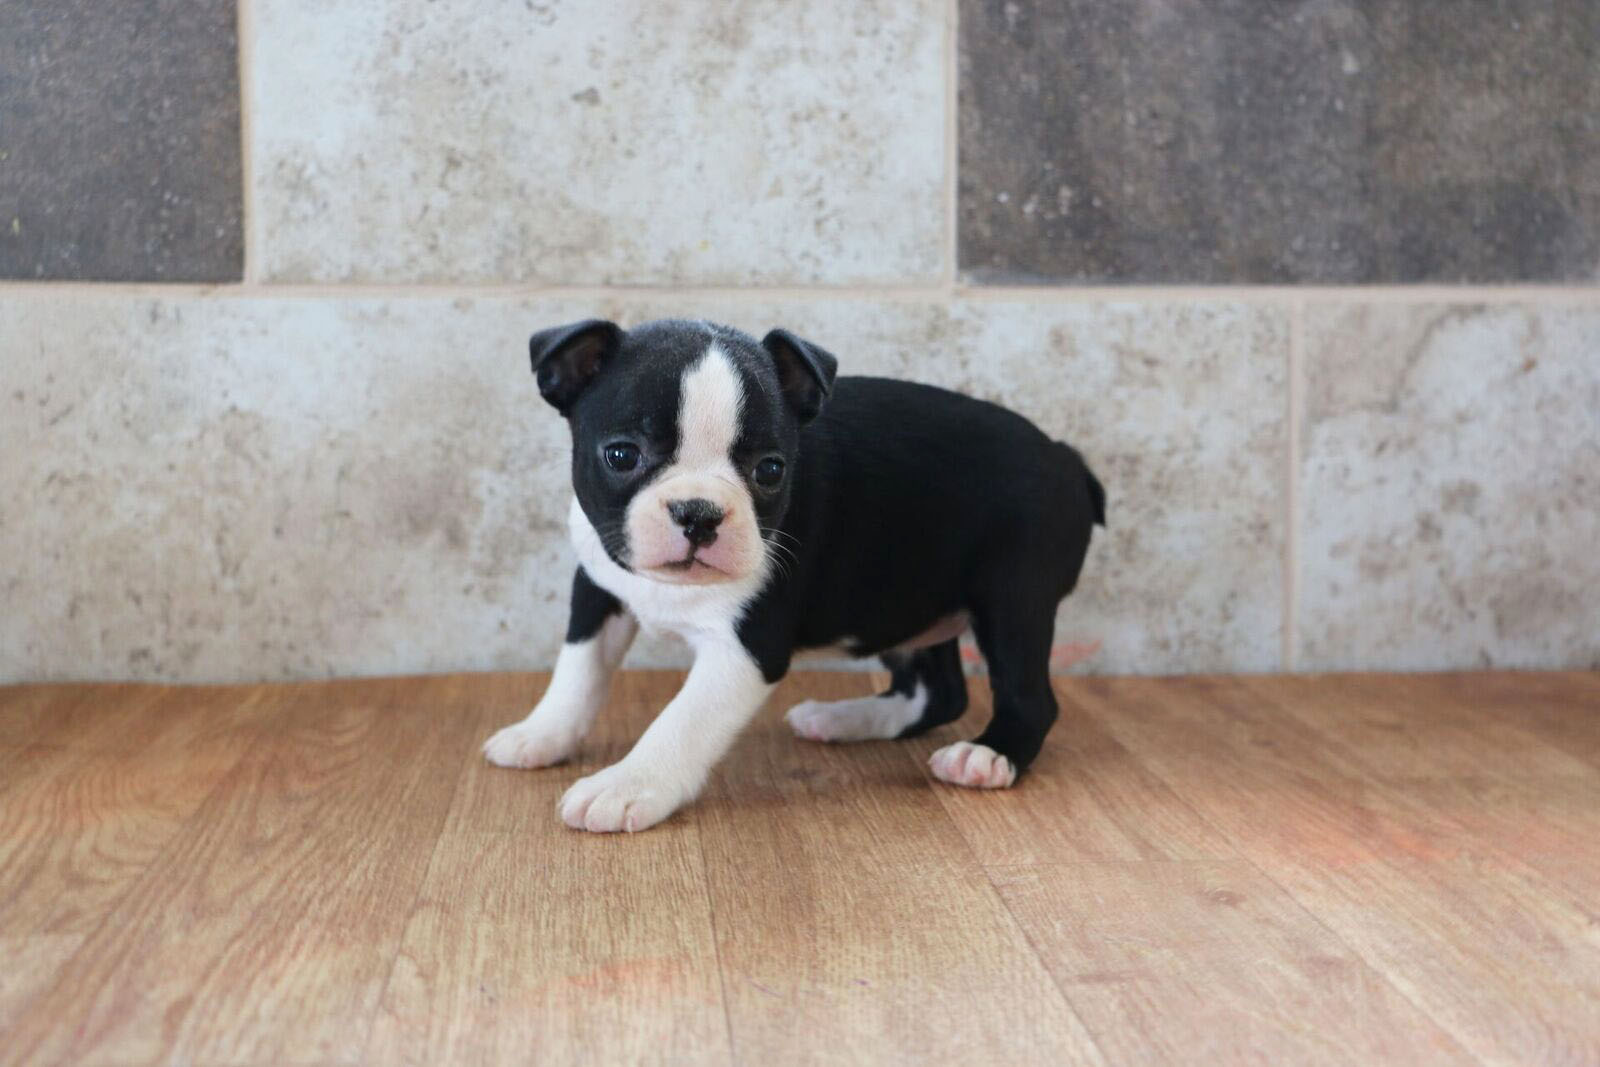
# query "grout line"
(1291, 535)
(245, 42)
(1285, 294)
(952, 144)
(1273, 296)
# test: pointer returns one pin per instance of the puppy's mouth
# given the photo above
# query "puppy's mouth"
(691, 569)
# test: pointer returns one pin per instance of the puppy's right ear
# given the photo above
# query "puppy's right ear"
(566, 358)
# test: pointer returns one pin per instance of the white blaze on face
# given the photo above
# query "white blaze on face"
(709, 409)
(712, 400)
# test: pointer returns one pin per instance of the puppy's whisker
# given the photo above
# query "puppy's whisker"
(774, 532)
(782, 560)
(780, 547)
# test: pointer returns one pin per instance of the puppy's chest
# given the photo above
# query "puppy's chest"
(683, 610)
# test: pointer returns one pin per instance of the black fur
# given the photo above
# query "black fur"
(591, 606)
(938, 670)
(912, 503)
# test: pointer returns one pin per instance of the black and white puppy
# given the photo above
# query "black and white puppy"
(735, 493)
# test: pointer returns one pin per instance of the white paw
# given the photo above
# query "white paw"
(975, 766)
(618, 798)
(528, 744)
(860, 719)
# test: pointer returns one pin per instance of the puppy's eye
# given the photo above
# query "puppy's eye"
(621, 456)
(769, 472)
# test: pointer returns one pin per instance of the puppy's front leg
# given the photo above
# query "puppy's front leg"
(598, 635)
(670, 763)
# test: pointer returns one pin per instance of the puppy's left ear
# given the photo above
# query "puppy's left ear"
(566, 358)
(805, 372)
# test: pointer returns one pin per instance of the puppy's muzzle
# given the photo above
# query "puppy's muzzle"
(699, 519)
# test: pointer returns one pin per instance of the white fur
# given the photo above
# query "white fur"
(712, 398)
(710, 404)
(858, 719)
(974, 766)
(577, 690)
(671, 762)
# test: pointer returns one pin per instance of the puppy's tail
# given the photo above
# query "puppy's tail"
(1097, 492)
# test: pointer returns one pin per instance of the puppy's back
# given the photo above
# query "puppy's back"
(920, 445)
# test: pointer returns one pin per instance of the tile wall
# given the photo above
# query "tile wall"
(1313, 285)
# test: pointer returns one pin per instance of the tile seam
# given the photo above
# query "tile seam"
(1291, 539)
(244, 36)
(952, 102)
(1265, 296)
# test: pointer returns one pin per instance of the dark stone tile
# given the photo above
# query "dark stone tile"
(119, 140)
(1274, 141)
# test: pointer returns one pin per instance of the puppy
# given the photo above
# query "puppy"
(736, 493)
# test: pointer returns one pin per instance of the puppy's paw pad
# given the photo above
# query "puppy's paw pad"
(615, 800)
(861, 719)
(974, 766)
(523, 745)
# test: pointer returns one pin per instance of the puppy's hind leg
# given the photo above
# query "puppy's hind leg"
(938, 669)
(1015, 640)
(926, 689)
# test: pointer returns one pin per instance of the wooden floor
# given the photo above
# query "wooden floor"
(1298, 870)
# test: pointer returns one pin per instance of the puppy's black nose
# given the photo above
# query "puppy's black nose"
(699, 519)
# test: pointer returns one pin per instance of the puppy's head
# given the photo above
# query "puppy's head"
(685, 438)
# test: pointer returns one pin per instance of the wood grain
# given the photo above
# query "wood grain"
(1321, 869)
(1088, 799)
(79, 825)
(859, 932)
(266, 933)
(1212, 962)
(1562, 708)
(1466, 936)
(1502, 787)
(530, 942)
(84, 716)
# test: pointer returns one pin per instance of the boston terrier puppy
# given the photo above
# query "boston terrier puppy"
(734, 492)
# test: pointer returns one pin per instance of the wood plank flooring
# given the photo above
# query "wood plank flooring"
(1313, 869)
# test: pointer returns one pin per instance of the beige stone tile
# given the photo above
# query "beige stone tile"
(1180, 409)
(567, 143)
(222, 489)
(230, 488)
(1450, 487)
